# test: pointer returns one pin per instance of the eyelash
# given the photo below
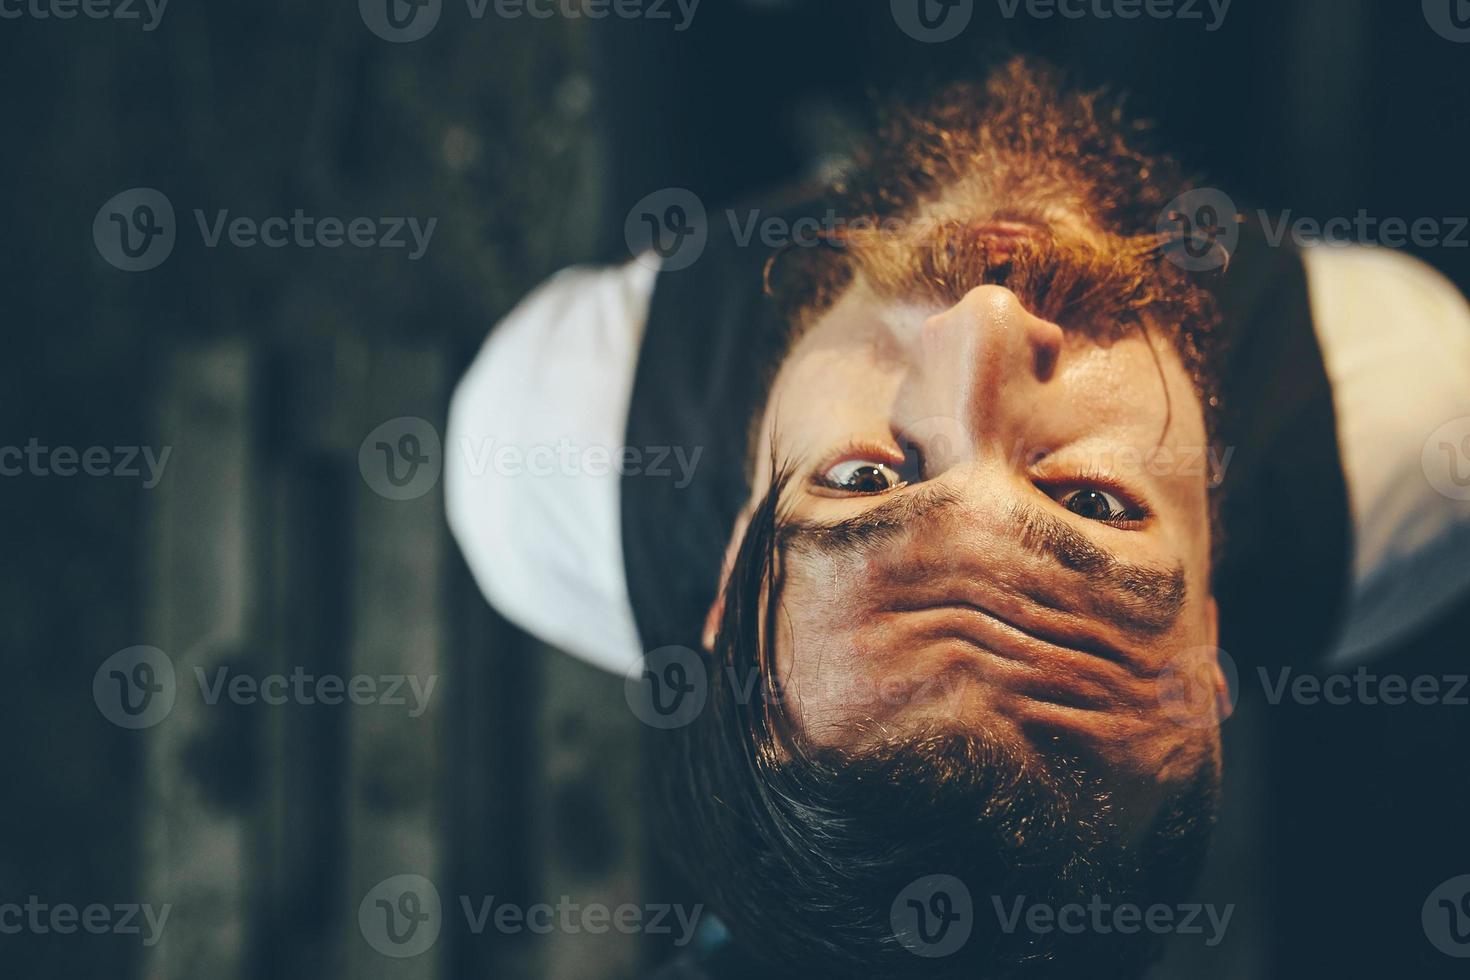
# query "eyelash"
(1096, 479)
(864, 451)
(1089, 479)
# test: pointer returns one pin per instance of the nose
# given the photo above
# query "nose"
(986, 361)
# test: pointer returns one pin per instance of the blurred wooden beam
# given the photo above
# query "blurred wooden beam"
(200, 595)
(395, 767)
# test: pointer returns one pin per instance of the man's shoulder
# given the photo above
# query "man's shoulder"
(1395, 338)
(535, 429)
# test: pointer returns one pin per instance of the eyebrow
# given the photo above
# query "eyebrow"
(1143, 600)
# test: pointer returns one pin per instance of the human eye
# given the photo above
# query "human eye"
(1096, 504)
(1093, 497)
(865, 471)
(1090, 491)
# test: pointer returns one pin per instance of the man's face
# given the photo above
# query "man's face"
(999, 526)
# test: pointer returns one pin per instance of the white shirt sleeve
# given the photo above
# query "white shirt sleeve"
(532, 461)
(1395, 339)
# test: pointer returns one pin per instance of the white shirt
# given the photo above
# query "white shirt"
(535, 505)
(545, 541)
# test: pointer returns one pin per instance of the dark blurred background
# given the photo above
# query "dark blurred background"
(263, 548)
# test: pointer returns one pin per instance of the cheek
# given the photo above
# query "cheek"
(819, 622)
(1119, 384)
(830, 649)
(827, 398)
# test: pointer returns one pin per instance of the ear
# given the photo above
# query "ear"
(717, 608)
(1223, 707)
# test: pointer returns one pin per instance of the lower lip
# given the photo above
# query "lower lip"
(1005, 229)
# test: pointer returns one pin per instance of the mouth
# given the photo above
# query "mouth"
(1004, 235)
(1006, 228)
(1029, 657)
(1046, 619)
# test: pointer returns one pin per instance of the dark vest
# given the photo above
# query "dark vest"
(711, 345)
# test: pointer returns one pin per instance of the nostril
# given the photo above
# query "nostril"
(1046, 362)
(1046, 345)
